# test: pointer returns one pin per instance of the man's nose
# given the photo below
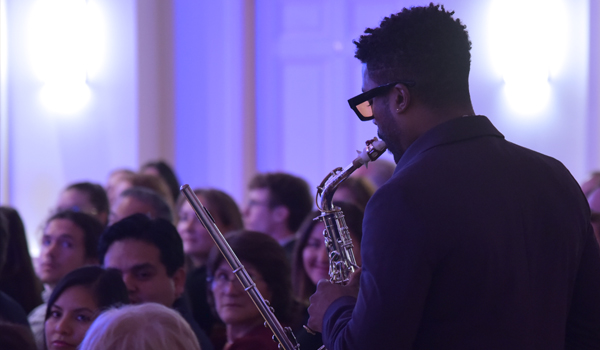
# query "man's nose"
(130, 283)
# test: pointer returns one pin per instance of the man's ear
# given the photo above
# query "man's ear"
(402, 98)
(179, 282)
(280, 213)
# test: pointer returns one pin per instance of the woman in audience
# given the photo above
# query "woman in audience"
(197, 243)
(69, 241)
(85, 197)
(266, 263)
(77, 300)
(356, 190)
(17, 278)
(164, 171)
(310, 262)
(148, 326)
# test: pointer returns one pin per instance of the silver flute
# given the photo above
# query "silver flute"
(284, 336)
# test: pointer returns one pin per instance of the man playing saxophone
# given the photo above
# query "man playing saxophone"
(475, 242)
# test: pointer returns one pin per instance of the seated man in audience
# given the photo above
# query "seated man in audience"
(277, 205)
(85, 197)
(140, 200)
(69, 242)
(149, 254)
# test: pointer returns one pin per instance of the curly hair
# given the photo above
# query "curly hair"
(424, 44)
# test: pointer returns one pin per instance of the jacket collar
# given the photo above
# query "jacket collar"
(454, 130)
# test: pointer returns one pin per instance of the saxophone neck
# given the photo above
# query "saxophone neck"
(373, 150)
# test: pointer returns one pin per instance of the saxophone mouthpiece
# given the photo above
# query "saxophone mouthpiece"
(372, 151)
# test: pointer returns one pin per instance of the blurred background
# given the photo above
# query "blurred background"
(224, 89)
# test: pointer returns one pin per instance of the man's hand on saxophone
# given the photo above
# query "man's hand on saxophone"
(326, 294)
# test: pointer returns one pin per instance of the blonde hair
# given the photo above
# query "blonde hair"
(148, 326)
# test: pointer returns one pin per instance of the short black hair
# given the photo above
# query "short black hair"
(96, 194)
(107, 286)
(423, 44)
(158, 232)
(288, 190)
(91, 227)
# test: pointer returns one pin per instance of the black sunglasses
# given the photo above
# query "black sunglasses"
(361, 104)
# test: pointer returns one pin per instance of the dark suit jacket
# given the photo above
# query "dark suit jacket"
(183, 308)
(474, 243)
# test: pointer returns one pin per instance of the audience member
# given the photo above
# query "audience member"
(18, 279)
(85, 197)
(149, 254)
(378, 172)
(113, 185)
(77, 300)
(164, 171)
(16, 337)
(155, 183)
(149, 326)
(357, 190)
(69, 242)
(310, 263)
(10, 310)
(197, 243)
(277, 205)
(266, 262)
(140, 200)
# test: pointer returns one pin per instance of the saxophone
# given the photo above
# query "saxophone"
(342, 262)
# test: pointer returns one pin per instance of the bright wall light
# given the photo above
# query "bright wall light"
(63, 41)
(527, 40)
